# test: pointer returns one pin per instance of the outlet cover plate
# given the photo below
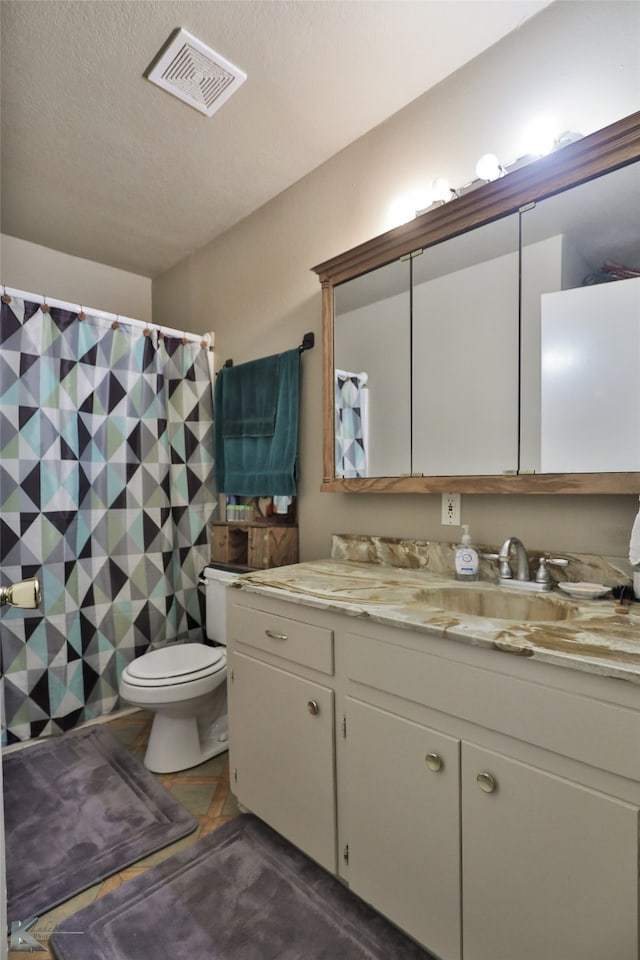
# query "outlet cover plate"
(451, 509)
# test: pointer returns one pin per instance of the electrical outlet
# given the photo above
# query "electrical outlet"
(451, 509)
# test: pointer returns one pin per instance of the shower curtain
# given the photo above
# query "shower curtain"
(106, 494)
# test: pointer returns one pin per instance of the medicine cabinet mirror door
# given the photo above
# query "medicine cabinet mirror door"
(465, 354)
(372, 373)
(580, 312)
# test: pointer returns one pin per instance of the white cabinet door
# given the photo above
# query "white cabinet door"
(550, 868)
(590, 368)
(403, 824)
(281, 735)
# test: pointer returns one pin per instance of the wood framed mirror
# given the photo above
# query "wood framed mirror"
(432, 314)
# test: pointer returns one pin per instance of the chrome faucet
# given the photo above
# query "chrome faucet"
(522, 569)
(542, 581)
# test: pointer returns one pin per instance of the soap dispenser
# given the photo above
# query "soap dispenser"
(466, 559)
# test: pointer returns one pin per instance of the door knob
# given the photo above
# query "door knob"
(486, 782)
(433, 761)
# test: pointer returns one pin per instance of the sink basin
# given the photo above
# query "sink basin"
(483, 602)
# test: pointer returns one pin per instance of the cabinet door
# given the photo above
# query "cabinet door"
(550, 868)
(272, 546)
(281, 733)
(403, 824)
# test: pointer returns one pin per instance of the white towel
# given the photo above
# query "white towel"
(634, 545)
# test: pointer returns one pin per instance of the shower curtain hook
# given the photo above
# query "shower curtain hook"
(116, 323)
(82, 315)
(5, 296)
(184, 338)
(45, 305)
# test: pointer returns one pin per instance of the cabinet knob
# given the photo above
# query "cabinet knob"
(433, 761)
(486, 782)
(313, 708)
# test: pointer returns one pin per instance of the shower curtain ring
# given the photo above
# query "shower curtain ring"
(82, 315)
(5, 296)
(184, 338)
(116, 323)
(45, 306)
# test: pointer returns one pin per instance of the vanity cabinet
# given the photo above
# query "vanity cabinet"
(281, 718)
(486, 804)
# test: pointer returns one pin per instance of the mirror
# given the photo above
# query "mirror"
(440, 330)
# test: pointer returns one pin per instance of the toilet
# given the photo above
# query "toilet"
(185, 685)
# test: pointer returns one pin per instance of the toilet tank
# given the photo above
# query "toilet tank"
(215, 585)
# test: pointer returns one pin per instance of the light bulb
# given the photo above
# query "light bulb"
(539, 138)
(441, 189)
(401, 210)
(488, 167)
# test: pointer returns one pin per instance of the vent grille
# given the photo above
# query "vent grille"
(195, 73)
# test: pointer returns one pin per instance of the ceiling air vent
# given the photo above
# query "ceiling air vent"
(195, 73)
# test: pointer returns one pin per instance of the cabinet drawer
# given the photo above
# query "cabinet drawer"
(292, 640)
(590, 730)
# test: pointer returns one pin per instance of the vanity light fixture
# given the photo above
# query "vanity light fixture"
(442, 191)
(540, 138)
(489, 168)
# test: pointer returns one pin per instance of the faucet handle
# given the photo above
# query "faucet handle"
(542, 573)
(504, 572)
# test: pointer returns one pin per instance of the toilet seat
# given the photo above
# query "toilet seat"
(178, 663)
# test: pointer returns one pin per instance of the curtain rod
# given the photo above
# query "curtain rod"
(205, 340)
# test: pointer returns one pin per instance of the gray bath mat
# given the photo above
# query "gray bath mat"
(240, 893)
(78, 808)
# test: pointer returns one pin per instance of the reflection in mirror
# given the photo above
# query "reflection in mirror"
(465, 353)
(580, 303)
(372, 373)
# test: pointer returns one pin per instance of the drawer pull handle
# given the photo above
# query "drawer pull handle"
(486, 782)
(313, 708)
(276, 636)
(433, 761)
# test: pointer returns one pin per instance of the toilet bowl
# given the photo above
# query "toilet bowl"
(185, 686)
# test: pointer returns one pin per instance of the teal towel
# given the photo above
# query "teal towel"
(250, 398)
(259, 466)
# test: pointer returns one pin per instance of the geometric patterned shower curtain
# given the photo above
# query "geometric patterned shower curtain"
(106, 495)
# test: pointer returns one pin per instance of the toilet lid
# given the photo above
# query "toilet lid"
(180, 661)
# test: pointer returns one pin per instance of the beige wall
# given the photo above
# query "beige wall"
(58, 276)
(254, 286)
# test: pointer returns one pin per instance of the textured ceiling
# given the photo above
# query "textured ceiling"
(99, 163)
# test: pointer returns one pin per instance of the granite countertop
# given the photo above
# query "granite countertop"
(594, 638)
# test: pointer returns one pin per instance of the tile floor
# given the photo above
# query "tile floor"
(204, 790)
